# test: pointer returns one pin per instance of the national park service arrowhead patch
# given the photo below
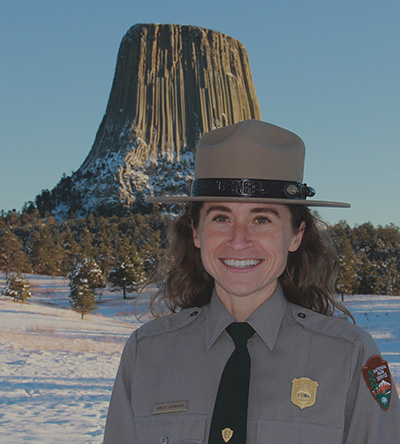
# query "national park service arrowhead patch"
(378, 379)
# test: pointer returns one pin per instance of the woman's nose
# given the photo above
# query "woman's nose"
(240, 238)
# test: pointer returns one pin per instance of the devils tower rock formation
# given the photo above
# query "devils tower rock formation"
(172, 83)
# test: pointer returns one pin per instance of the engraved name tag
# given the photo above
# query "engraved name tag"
(170, 407)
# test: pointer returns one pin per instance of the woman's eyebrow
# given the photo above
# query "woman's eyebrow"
(262, 210)
(218, 208)
(266, 210)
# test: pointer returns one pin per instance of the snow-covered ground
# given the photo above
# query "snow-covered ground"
(57, 371)
(380, 316)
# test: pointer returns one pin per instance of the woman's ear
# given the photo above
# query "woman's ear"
(298, 237)
(196, 240)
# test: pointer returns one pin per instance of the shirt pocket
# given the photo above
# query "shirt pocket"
(292, 432)
(172, 428)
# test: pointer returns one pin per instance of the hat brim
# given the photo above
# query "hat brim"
(187, 199)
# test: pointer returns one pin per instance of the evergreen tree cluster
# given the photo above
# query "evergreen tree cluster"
(369, 258)
(30, 243)
(126, 249)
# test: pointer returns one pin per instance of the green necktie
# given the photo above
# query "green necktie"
(229, 421)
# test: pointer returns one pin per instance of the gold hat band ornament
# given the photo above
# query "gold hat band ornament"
(227, 434)
(250, 161)
(304, 392)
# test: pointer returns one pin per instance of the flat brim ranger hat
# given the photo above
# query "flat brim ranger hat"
(251, 161)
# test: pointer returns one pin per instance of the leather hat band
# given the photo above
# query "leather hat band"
(273, 189)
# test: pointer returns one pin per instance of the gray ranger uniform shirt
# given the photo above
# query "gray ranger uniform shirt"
(170, 370)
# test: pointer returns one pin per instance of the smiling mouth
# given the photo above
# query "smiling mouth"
(245, 263)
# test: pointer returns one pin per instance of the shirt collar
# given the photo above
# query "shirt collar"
(266, 319)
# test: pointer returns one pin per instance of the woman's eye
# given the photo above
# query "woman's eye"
(261, 220)
(221, 218)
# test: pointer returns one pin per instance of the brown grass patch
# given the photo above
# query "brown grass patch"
(125, 313)
(39, 329)
(56, 342)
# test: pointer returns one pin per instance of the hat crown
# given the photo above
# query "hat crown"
(251, 161)
(250, 149)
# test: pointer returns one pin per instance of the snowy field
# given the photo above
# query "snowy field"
(57, 371)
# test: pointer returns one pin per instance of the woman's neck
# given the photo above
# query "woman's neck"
(242, 306)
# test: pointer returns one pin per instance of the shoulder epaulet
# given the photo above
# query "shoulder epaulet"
(170, 322)
(327, 325)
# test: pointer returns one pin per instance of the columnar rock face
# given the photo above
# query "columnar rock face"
(172, 84)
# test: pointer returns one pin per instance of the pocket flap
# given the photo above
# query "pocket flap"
(171, 428)
(291, 432)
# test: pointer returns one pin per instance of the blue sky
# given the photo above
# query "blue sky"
(327, 70)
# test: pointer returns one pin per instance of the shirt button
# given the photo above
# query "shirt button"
(164, 440)
(194, 313)
(302, 316)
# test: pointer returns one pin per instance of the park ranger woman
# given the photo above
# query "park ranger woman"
(251, 352)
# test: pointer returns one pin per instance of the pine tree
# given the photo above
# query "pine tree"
(83, 299)
(128, 272)
(87, 272)
(86, 244)
(388, 257)
(104, 258)
(124, 276)
(12, 256)
(365, 273)
(70, 252)
(84, 280)
(18, 288)
(347, 281)
(392, 281)
(46, 252)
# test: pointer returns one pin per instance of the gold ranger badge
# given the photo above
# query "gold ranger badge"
(304, 392)
(227, 434)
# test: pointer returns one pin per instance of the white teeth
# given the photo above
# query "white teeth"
(247, 263)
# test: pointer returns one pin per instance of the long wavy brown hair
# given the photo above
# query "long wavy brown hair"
(308, 280)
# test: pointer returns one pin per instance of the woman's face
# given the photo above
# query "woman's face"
(244, 247)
